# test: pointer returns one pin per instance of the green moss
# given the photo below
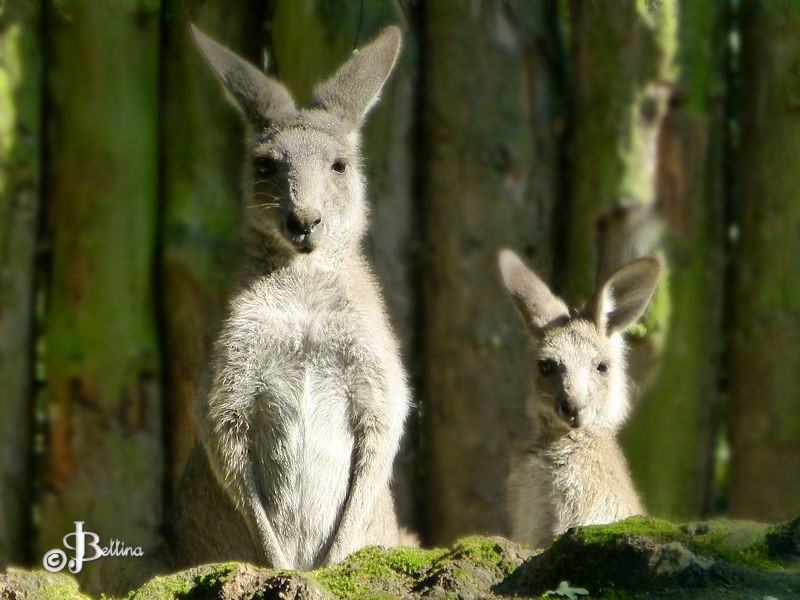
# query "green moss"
(482, 552)
(374, 568)
(737, 542)
(616, 561)
(61, 591)
(783, 541)
(633, 526)
(186, 584)
(168, 586)
(39, 584)
(214, 576)
(412, 561)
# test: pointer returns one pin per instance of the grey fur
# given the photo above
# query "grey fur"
(571, 471)
(306, 396)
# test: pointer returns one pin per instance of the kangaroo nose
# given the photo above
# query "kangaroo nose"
(570, 413)
(303, 223)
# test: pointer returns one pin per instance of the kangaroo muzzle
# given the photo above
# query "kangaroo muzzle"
(304, 228)
(570, 412)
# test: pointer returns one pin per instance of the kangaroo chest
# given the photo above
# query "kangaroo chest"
(587, 483)
(302, 436)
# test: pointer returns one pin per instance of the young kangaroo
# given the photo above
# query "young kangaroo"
(572, 471)
(306, 396)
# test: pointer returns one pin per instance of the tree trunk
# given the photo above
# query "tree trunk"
(765, 329)
(309, 41)
(203, 153)
(490, 150)
(623, 69)
(104, 451)
(669, 441)
(645, 80)
(20, 78)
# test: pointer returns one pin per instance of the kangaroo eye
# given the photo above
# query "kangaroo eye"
(602, 367)
(339, 165)
(265, 166)
(547, 367)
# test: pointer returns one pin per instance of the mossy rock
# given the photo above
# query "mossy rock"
(16, 584)
(230, 581)
(650, 558)
(636, 558)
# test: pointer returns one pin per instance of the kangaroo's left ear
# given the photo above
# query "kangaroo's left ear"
(260, 98)
(538, 306)
(356, 86)
(624, 295)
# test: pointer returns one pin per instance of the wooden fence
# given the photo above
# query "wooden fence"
(578, 133)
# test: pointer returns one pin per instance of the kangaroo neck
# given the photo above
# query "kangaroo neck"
(551, 434)
(265, 255)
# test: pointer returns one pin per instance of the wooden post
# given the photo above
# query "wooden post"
(104, 459)
(20, 129)
(490, 150)
(669, 441)
(765, 329)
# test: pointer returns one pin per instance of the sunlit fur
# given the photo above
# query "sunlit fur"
(305, 400)
(564, 476)
(303, 147)
(571, 471)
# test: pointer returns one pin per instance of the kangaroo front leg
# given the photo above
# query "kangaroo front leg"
(379, 416)
(224, 431)
(267, 542)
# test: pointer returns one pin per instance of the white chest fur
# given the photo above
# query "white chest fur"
(307, 371)
(578, 480)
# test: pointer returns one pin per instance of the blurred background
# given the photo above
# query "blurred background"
(581, 134)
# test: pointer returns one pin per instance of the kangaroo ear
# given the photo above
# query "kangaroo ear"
(260, 98)
(624, 296)
(534, 300)
(356, 86)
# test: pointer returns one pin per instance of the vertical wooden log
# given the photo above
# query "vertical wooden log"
(202, 158)
(623, 71)
(764, 373)
(669, 441)
(104, 450)
(490, 150)
(20, 78)
(646, 181)
(309, 40)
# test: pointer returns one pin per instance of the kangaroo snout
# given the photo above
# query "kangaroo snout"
(305, 228)
(569, 411)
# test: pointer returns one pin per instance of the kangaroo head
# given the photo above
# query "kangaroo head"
(303, 184)
(580, 355)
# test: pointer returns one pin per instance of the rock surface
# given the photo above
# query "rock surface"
(636, 558)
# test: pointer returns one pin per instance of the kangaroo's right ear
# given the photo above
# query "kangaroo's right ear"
(625, 294)
(259, 97)
(354, 88)
(534, 300)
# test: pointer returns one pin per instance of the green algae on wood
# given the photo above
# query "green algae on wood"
(490, 131)
(103, 459)
(765, 295)
(669, 440)
(20, 130)
(648, 117)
